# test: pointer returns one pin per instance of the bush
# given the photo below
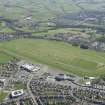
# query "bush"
(75, 44)
(83, 46)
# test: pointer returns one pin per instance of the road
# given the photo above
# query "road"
(29, 90)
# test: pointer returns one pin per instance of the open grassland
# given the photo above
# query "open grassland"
(59, 55)
(5, 57)
(2, 95)
(18, 86)
(59, 30)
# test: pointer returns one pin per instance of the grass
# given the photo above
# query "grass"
(59, 55)
(40, 11)
(2, 95)
(18, 86)
(27, 102)
(75, 31)
(5, 57)
(4, 28)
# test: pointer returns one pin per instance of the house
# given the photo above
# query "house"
(88, 83)
(92, 78)
(51, 24)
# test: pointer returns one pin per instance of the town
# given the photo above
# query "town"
(25, 83)
(52, 52)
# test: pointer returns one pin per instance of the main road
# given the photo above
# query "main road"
(29, 90)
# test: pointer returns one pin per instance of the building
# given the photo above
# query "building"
(30, 67)
(88, 83)
(2, 82)
(17, 93)
(62, 77)
(27, 67)
(51, 24)
(24, 65)
(92, 78)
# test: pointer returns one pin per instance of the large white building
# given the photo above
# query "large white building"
(28, 66)
(17, 93)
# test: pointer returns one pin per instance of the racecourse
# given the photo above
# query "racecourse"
(58, 55)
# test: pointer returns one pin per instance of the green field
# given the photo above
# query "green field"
(2, 95)
(59, 55)
(38, 9)
(18, 86)
(5, 57)
(40, 12)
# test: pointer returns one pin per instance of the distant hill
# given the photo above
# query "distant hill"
(36, 15)
(44, 9)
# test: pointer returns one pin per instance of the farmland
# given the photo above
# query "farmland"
(34, 16)
(2, 95)
(59, 55)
